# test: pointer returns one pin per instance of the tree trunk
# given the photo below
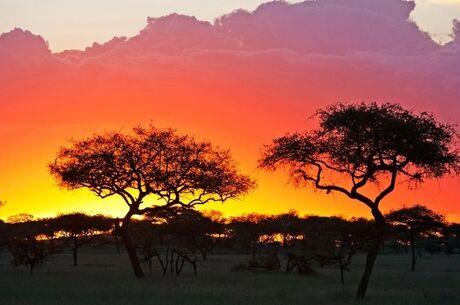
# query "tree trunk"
(133, 258)
(372, 253)
(75, 253)
(117, 242)
(179, 264)
(342, 280)
(204, 252)
(412, 248)
(254, 249)
(171, 261)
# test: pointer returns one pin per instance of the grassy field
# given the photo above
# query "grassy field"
(105, 279)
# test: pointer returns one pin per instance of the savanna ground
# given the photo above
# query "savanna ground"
(104, 278)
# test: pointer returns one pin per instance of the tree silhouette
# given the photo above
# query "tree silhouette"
(146, 236)
(25, 245)
(246, 230)
(192, 230)
(359, 145)
(416, 221)
(151, 166)
(452, 238)
(80, 229)
(289, 226)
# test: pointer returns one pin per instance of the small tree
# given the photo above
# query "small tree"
(359, 145)
(151, 170)
(417, 221)
(246, 230)
(80, 229)
(452, 238)
(289, 226)
(25, 244)
(146, 236)
(3, 234)
(161, 237)
(192, 230)
(3, 230)
(333, 240)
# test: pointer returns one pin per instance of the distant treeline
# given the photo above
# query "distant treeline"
(284, 242)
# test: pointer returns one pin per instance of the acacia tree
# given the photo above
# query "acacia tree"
(417, 221)
(360, 145)
(151, 170)
(146, 236)
(246, 231)
(289, 226)
(192, 230)
(451, 238)
(24, 242)
(80, 229)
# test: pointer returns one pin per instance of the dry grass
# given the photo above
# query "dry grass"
(104, 278)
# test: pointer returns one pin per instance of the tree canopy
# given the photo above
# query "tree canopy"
(176, 170)
(152, 170)
(418, 218)
(366, 143)
(417, 221)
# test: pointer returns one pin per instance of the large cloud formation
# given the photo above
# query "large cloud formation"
(243, 79)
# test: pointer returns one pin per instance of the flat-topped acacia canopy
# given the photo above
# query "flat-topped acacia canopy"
(366, 144)
(151, 170)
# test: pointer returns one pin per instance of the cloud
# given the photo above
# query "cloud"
(331, 26)
(20, 43)
(316, 52)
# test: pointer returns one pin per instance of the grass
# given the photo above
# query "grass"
(104, 278)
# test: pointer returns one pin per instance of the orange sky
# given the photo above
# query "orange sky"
(226, 83)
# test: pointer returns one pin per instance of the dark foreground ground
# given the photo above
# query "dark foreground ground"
(105, 279)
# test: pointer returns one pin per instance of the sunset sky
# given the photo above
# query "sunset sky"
(236, 78)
